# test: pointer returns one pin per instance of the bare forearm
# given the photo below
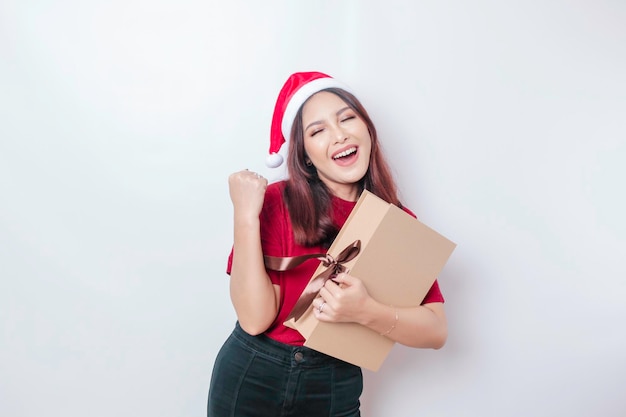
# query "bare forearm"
(421, 327)
(251, 290)
(345, 299)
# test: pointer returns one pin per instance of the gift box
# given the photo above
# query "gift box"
(398, 259)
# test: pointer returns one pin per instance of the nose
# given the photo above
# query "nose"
(340, 134)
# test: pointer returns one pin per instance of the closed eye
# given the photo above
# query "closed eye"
(345, 119)
(315, 132)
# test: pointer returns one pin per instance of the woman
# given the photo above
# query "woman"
(263, 369)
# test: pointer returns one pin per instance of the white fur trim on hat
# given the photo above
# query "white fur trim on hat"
(302, 95)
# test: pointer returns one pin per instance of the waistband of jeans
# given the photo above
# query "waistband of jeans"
(285, 353)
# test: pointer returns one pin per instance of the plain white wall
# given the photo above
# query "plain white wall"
(120, 121)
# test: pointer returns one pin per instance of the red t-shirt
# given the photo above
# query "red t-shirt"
(277, 239)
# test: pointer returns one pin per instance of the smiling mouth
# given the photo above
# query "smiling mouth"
(345, 153)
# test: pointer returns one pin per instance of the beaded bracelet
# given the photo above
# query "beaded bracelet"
(393, 326)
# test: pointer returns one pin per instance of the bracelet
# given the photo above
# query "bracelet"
(393, 326)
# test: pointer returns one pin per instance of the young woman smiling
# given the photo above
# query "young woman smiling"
(263, 369)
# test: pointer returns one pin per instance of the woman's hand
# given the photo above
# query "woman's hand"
(254, 296)
(247, 192)
(342, 299)
(347, 300)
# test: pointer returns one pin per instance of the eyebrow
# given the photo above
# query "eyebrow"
(337, 113)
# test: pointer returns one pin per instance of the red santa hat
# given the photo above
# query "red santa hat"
(296, 90)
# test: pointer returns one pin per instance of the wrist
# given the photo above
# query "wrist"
(246, 220)
(381, 318)
(372, 312)
(395, 322)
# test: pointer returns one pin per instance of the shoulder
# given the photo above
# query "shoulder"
(274, 192)
(276, 188)
(274, 202)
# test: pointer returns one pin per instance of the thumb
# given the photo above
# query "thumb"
(344, 278)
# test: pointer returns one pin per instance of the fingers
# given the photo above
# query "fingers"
(255, 174)
(319, 304)
(246, 181)
(246, 173)
(321, 308)
(336, 285)
(343, 279)
(247, 192)
(331, 292)
(327, 292)
(341, 299)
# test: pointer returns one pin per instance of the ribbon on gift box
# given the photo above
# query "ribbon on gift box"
(333, 266)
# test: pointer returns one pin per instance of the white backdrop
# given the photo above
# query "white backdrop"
(120, 121)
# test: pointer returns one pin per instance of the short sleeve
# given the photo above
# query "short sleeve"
(434, 295)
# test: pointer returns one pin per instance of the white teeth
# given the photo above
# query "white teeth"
(344, 153)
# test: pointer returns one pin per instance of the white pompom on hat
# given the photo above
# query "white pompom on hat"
(295, 92)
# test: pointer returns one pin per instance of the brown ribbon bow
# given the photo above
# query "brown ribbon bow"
(333, 266)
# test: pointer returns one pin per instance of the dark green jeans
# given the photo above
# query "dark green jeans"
(258, 376)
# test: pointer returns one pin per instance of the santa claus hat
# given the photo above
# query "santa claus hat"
(296, 90)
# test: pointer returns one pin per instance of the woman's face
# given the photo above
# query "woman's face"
(337, 142)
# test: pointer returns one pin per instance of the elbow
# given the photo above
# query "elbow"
(439, 339)
(439, 343)
(253, 329)
(255, 321)
(255, 325)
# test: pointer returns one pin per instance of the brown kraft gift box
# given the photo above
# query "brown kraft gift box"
(399, 260)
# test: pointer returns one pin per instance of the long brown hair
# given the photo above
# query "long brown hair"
(307, 197)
